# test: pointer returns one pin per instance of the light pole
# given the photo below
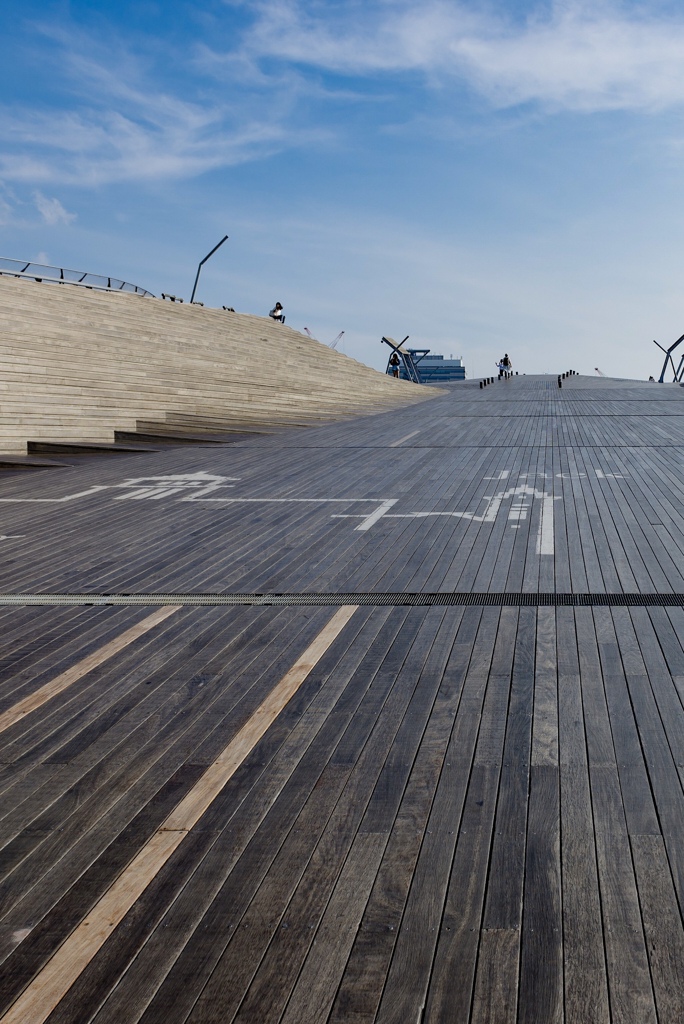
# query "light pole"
(201, 262)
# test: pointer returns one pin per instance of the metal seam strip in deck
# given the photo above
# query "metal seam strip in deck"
(501, 600)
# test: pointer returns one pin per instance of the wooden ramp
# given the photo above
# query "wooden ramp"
(377, 722)
(78, 365)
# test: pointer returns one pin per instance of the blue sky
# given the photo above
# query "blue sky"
(482, 176)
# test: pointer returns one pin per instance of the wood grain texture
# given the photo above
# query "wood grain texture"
(37, 1002)
(72, 675)
(470, 814)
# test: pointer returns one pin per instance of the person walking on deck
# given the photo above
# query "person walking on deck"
(394, 363)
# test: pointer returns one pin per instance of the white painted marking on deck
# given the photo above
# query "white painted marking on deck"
(12, 536)
(66, 497)
(395, 444)
(545, 533)
(193, 486)
(540, 473)
(518, 511)
(198, 486)
(377, 515)
(368, 518)
(285, 501)
(203, 487)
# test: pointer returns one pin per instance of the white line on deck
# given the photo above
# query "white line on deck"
(545, 532)
(519, 508)
(395, 444)
(379, 512)
(233, 501)
(51, 984)
(368, 519)
(67, 497)
(197, 486)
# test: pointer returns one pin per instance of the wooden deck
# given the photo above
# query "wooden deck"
(79, 366)
(399, 812)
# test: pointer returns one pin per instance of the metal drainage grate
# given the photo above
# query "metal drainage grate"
(506, 600)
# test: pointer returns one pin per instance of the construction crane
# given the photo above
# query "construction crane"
(333, 344)
(600, 372)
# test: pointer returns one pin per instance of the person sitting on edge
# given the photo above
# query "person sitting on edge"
(277, 313)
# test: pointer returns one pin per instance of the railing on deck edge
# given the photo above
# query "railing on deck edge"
(60, 275)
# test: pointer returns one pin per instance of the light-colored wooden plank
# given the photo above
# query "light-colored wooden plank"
(66, 679)
(40, 998)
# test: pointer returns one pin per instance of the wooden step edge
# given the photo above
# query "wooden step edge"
(16, 462)
(188, 429)
(163, 438)
(84, 448)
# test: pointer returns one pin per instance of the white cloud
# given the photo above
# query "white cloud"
(51, 210)
(131, 128)
(129, 122)
(574, 55)
(5, 212)
(95, 147)
(8, 206)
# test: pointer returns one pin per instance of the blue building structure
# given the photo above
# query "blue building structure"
(420, 365)
(436, 369)
(432, 369)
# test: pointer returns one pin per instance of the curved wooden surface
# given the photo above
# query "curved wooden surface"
(78, 365)
(396, 814)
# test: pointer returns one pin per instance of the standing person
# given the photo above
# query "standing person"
(394, 363)
(506, 363)
(277, 313)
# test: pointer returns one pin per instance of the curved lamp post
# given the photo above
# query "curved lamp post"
(201, 262)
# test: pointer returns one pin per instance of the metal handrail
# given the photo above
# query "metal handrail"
(60, 275)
